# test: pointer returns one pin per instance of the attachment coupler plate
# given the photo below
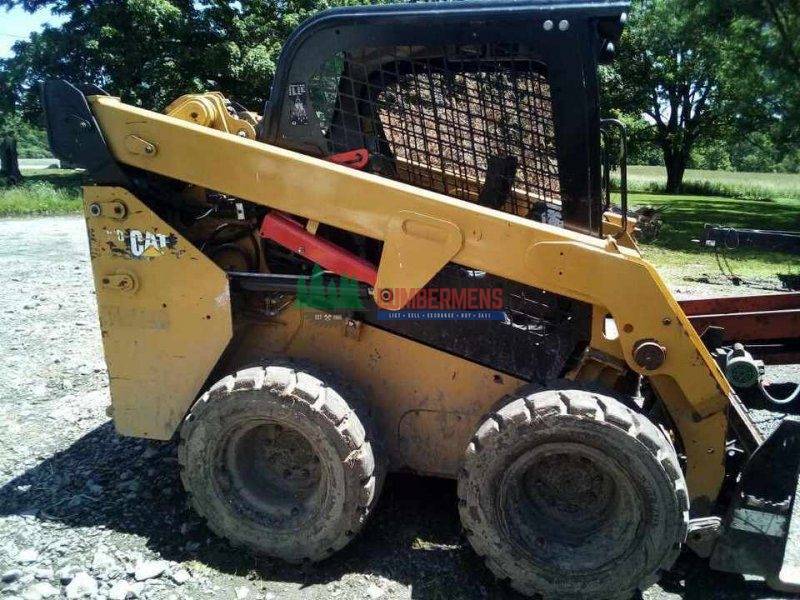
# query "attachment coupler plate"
(761, 532)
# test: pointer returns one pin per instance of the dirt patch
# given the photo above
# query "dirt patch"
(84, 511)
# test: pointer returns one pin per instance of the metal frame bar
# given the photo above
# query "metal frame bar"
(741, 304)
(768, 325)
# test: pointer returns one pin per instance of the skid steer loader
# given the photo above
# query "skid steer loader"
(409, 262)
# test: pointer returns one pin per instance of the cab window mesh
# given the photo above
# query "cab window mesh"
(472, 122)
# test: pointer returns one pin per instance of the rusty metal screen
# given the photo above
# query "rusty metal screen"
(472, 122)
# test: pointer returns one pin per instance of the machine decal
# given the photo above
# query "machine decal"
(144, 244)
(298, 112)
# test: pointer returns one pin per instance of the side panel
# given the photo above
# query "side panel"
(426, 403)
(164, 308)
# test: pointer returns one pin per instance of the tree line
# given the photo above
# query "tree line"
(700, 83)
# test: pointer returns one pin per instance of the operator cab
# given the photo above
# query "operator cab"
(488, 102)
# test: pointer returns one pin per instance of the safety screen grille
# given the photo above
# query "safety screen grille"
(472, 122)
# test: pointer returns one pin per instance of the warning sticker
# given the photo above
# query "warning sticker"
(298, 104)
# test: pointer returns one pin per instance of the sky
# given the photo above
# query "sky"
(17, 24)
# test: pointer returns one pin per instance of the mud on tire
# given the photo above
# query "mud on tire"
(567, 493)
(277, 461)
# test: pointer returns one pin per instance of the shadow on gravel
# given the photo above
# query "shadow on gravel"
(414, 538)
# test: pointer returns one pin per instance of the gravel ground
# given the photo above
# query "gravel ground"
(85, 513)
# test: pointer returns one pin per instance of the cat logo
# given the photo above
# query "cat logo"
(146, 244)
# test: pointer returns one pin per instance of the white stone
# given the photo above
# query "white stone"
(65, 574)
(119, 591)
(40, 590)
(242, 592)
(27, 556)
(82, 585)
(103, 561)
(149, 569)
(181, 576)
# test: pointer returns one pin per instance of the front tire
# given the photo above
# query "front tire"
(571, 494)
(276, 460)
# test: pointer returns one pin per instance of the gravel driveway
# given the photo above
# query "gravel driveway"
(84, 512)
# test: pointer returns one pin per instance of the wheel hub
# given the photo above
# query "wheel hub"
(568, 505)
(570, 490)
(274, 472)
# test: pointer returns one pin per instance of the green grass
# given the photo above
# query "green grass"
(45, 192)
(718, 183)
(676, 255)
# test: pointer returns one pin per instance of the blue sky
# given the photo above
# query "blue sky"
(17, 24)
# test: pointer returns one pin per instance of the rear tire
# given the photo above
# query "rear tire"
(276, 460)
(570, 494)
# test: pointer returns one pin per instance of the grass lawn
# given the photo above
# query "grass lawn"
(45, 192)
(749, 200)
(719, 183)
(677, 256)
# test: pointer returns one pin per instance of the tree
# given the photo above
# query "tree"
(9, 169)
(31, 140)
(689, 72)
(716, 82)
(149, 52)
(152, 51)
(784, 18)
(139, 49)
(668, 72)
(771, 31)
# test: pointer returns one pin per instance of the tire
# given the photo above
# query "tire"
(568, 493)
(277, 461)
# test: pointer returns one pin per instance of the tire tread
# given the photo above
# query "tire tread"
(324, 405)
(567, 400)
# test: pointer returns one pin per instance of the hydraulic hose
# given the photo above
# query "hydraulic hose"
(779, 401)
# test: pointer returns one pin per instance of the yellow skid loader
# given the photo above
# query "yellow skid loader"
(410, 262)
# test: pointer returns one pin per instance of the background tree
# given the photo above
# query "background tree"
(704, 83)
(769, 60)
(667, 75)
(9, 160)
(141, 49)
(152, 51)
(710, 84)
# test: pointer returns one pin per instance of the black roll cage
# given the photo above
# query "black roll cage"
(569, 38)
